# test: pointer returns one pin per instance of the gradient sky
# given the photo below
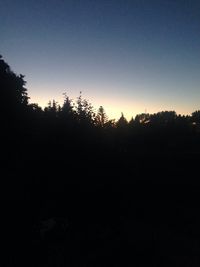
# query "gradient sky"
(130, 56)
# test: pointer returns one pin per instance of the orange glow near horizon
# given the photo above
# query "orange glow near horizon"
(115, 108)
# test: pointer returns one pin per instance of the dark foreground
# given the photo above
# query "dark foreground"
(80, 190)
(125, 213)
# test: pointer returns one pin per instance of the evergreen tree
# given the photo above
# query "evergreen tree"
(101, 118)
(84, 111)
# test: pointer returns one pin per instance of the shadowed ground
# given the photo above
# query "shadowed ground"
(126, 213)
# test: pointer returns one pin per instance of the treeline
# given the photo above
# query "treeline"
(79, 132)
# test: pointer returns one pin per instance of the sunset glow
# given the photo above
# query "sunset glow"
(128, 56)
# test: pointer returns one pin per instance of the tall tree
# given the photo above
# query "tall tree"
(84, 110)
(101, 118)
(14, 97)
(68, 107)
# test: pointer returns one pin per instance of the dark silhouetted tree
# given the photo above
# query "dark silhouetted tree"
(101, 118)
(196, 116)
(14, 97)
(35, 108)
(122, 122)
(142, 118)
(67, 109)
(163, 117)
(52, 109)
(85, 111)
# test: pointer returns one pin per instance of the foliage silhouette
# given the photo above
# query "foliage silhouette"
(13, 93)
(196, 116)
(101, 117)
(77, 128)
(101, 175)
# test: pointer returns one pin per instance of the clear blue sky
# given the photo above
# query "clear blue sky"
(127, 55)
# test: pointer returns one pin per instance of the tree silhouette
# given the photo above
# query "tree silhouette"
(142, 118)
(163, 117)
(52, 109)
(14, 109)
(13, 93)
(67, 109)
(101, 118)
(49, 157)
(85, 111)
(122, 122)
(196, 116)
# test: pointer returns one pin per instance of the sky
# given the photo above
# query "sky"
(130, 56)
